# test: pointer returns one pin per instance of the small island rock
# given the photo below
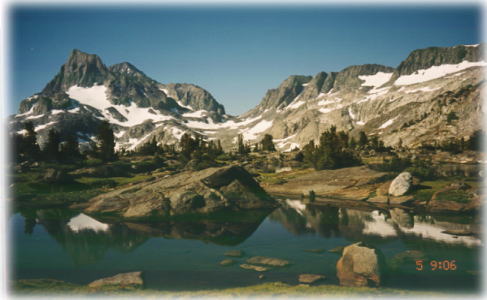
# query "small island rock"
(132, 279)
(359, 266)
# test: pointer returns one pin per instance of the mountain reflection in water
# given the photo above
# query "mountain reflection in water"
(185, 254)
(329, 221)
(87, 239)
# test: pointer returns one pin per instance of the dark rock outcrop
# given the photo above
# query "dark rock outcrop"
(202, 192)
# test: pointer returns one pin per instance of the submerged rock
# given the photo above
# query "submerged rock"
(252, 267)
(310, 278)
(338, 250)
(270, 261)
(227, 262)
(201, 192)
(401, 184)
(315, 250)
(234, 253)
(409, 256)
(132, 279)
(359, 266)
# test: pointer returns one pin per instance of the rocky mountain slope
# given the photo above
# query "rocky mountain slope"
(408, 104)
(432, 96)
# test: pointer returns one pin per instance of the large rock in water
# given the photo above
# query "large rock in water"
(359, 266)
(201, 192)
(132, 279)
(401, 184)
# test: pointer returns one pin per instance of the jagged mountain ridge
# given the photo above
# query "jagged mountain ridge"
(85, 92)
(408, 103)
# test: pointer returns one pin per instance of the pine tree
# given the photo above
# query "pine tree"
(309, 154)
(362, 140)
(187, 145)
(106, 142)
(150, 148)
(30, 148)
(219, 147)
(70, 148)
(267, 144)
(51, 150)
(241, 149)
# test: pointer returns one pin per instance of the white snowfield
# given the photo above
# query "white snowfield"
(295, 104)
(374, 94)
(43, 126)
(34, 117)
(327, 110)
(435, 72)
(285, 144)
(425, 89)
(96, 97)
(134, 142)
(387, 123)
(251, 133)
(375, 80)
(84, 222)
(351, 114)
(177, 133)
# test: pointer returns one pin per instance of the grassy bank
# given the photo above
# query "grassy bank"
(271, 289)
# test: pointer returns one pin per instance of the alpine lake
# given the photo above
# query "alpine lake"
(185, 255)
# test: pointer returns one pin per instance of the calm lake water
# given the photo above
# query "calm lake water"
(184, 255)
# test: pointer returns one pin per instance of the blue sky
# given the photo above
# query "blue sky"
(235, 52)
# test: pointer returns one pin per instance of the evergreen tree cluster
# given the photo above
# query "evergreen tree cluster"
(61, 148)
(458, 145)
(334, 151)
(267, 144)
(197, 148)
(242, 148)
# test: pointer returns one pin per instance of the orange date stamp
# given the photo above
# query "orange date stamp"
(442, 265)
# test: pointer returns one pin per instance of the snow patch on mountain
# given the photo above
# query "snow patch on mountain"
(251, 134)
(96, 97)
(330, 109)
(435, 72)
(350, 112)
(34, 117)
(285, 144)
(387, 123)
(43, 126)
(375, 80)
(425, 89)
(295, 104)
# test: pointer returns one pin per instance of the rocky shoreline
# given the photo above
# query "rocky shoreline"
(369, 189)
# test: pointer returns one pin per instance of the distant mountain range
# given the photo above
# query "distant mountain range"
(432, 96)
